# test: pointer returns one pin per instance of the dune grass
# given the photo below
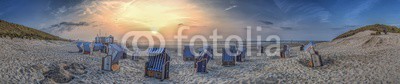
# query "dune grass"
(376, 27)
(12, 30)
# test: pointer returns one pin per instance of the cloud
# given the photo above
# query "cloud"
(230, 7)
(286, 28)
(65, 26)
(303, 10)
(266, 22)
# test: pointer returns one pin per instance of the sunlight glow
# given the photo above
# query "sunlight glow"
(158, 15)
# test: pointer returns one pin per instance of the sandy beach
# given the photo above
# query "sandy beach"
(362, 58)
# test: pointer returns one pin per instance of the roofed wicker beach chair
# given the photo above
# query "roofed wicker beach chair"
(79, 45)
(315, 58)
(261, 49)
(87, 48)
(111, 61)
(116, 52)
(157, 65)
(302, 48)
(242, 54)
(101, 43)
(136, 54)
(187, 53)
(285, 51)
(229, 59)
(200, 63)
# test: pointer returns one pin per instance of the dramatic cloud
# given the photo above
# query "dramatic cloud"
(303, 10)
(266, 22)
(116, 17)
(65, 26)
(286, 28)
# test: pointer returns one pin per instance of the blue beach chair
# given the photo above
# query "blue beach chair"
(229, 59)
(111, 61)
(200, 64)
(86, 48)
(241, 57)
(187, 54)
(315, 57)
(116, 52)
(157, 65)
(79, 45)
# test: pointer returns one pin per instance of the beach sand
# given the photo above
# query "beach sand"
(361, 58)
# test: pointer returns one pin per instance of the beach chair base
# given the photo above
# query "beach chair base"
(86, 52)
(228, 64)
(156, 74)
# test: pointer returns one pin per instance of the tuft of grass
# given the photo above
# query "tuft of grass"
(376, 27)
(12, 30)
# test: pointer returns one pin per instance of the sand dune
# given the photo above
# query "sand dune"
(361, 58)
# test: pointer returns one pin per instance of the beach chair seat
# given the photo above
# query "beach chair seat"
(98, 47)
(79, 45)
(157, 65)
(229, 59)
(87, 48)
(187, 53)
(241, 57)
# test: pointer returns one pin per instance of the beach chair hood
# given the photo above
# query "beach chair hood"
(308, 46)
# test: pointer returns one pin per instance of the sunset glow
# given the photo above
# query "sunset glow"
(154, 16)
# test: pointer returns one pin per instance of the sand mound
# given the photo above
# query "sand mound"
(59, 74)
(76, 69)
(63, 73)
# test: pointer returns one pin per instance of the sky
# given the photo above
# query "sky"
(289, 19)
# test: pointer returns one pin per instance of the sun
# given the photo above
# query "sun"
(154, 32)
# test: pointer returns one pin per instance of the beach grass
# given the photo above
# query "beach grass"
(12, 30)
